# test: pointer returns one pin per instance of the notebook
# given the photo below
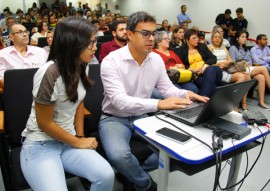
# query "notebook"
(221, 102)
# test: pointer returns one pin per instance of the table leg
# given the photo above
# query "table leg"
(163, 171)
(234, 171)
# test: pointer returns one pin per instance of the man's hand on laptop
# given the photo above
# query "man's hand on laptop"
(192, 96)
(173, 103)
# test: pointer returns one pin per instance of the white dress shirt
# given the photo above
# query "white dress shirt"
(10, 58)
(128, 86)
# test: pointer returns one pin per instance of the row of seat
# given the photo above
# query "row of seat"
(17, 107)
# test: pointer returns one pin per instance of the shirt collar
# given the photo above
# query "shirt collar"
(28, 52)
(129, 55)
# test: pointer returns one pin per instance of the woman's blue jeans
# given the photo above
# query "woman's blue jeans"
(44, 164)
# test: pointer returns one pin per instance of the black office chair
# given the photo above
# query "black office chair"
(105, 38)
(93, 100)
(17, 107)
(42, 41)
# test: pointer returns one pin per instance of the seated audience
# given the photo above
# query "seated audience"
(54, 140)
(170, 59)
(239, 51)
(184, 26)
(120, 38)
(42, 32)
(5, 41)
(223, 59)
(165, 26)
(261, 52)
(196, 56)
(177, 39)
(49, 38)
(208, 37)
(20, 55)
(129, 76)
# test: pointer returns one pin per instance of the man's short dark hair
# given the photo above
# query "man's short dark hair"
(183, 6)
(239, 10)
(260, 36)
(139, 17)
(116, 23)
(228, 11)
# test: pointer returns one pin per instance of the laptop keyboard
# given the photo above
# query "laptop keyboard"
(190, 113)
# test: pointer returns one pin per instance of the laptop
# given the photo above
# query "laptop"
(221, 102)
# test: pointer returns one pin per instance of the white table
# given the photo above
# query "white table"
(192, 152)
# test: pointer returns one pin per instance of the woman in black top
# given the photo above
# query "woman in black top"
(198, 57)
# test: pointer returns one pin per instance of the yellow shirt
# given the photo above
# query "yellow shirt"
(195, 60)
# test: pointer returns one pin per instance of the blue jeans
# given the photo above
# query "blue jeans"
(44, 164)
(187, 86)
(208, 82)
(115, 134)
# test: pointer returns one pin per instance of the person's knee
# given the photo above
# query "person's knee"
(259, 77)
(120, 158)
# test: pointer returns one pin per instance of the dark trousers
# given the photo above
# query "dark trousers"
(208, 82)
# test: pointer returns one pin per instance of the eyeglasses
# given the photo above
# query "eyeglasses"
(91, 44)
(21, 32)
(146, 34)
(167, 39)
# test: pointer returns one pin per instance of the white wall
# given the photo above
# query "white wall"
(203, 12)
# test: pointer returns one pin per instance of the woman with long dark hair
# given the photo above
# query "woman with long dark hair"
(239, 51)
(54, 139)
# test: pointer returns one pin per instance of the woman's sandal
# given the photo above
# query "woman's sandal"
(263, 106)
(244, 106)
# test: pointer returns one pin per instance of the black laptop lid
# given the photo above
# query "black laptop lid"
(224, 100)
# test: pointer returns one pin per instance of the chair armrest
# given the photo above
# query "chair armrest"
(1, 121)
(86, 113)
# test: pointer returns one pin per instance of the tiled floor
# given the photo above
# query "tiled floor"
(204, 181)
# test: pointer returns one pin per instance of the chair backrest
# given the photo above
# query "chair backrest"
(29, 26)
(17, 101)
(42, 41)
(93, 99)
(105, 38)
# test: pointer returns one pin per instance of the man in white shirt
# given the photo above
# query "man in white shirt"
(20, 55)
(129, 76)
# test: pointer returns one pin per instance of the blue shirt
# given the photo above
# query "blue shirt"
(261, 56)
(239, 54)
(182, 17)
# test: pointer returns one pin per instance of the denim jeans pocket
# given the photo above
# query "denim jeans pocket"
(31, 151)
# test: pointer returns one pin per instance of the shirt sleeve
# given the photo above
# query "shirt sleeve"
(233, 52)
(115, 90)
(255, 57)
(2, 67)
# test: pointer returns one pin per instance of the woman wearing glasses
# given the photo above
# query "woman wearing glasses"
(54, 140)
(171, 60)
(198, 57)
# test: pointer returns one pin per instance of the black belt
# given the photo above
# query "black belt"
(107, 114)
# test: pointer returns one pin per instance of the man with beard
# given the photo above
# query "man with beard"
(20, 55)
(129, 76)
(118, 28)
